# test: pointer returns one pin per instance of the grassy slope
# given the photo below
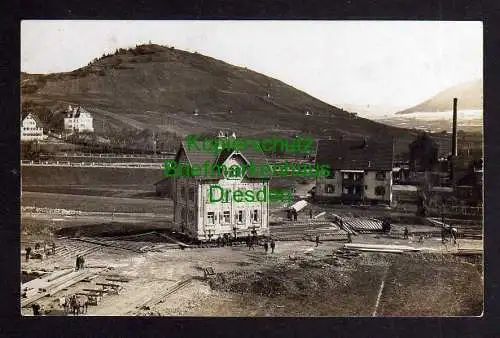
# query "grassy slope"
(155, 85)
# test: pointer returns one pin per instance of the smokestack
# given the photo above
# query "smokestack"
(454, 147)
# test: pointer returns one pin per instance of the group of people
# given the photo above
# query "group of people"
(49, 248)
(271, 244)
(80, 261)
(292, 214)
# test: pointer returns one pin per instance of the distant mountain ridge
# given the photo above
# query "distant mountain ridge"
(154, 86)
(166, 90)
(469, 94)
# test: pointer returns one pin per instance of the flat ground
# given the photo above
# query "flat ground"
(298, 279)
(253, 283)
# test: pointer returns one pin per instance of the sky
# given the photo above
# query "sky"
(369, 63)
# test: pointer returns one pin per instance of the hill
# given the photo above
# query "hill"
(470, 97)
(153, 87)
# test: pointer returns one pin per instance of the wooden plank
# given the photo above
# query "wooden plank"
(118, 280)
(108, 284)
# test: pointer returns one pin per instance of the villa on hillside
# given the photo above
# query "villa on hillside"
(200, 218)
(361, 170)
(32, 128)
(78, 120)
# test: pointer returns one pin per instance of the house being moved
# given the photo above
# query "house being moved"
(202, 218)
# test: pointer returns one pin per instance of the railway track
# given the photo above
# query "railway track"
(164, 294)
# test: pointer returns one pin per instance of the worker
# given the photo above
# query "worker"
(406, 233)
(37, 246)
(317, 240)
(310, 213)
(53, 245)
(266, 246)
(218, 241)
(295, 215)
(77, 262)
(273, 245)
(82, 262)
(443, 234)
(36, 309)
(28, 252)
(349, 237)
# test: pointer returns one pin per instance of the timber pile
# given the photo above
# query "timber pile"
(362, 224)
(381, 248)
(55, 285)
(468, 252)
(466, 228)
(159, 298)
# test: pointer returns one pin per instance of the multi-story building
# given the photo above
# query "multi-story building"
(199, 217)
(360, 171)
(32, 128)
(78, 120)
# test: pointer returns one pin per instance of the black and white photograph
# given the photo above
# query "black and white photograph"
(253, 168)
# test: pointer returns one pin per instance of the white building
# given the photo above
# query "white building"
(32, 128)
(360, 171)
(78, 120)
(200, 218)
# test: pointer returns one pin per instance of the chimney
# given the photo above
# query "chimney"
(454, 147)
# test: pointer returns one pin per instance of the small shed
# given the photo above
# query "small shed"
(164, 187)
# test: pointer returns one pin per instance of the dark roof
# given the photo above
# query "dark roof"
(194, 156)
(76, 112)
(355, 154)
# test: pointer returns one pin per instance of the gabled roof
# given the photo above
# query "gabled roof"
(355, 154)
(77, 112)
(194, 156)
(37, 120)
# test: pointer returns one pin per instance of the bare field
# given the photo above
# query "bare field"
(95, 203)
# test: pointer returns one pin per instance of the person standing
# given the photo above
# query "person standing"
(273, 245)
(28, 253)
(36, 309)
(82, 262)
(349, 237)
(77, 262)
(406, 233)
(311, 213)
(317, 240)
(266, 246)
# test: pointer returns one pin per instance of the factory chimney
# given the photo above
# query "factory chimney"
(454, 146)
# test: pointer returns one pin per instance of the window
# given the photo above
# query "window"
(346, 176)
(380, 176)
(239, 216)
(191, 216)
(254, 215)
(380, 190)
(211, 217)
(191, 194)
(329, 188)
(183, 192)
(227, 217)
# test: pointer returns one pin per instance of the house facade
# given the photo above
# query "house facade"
(32, 128)
(202, 217)
(360, 171)
(78, 120)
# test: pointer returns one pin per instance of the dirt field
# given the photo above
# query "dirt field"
(251, 283)
(96, 203)
(299, 279)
